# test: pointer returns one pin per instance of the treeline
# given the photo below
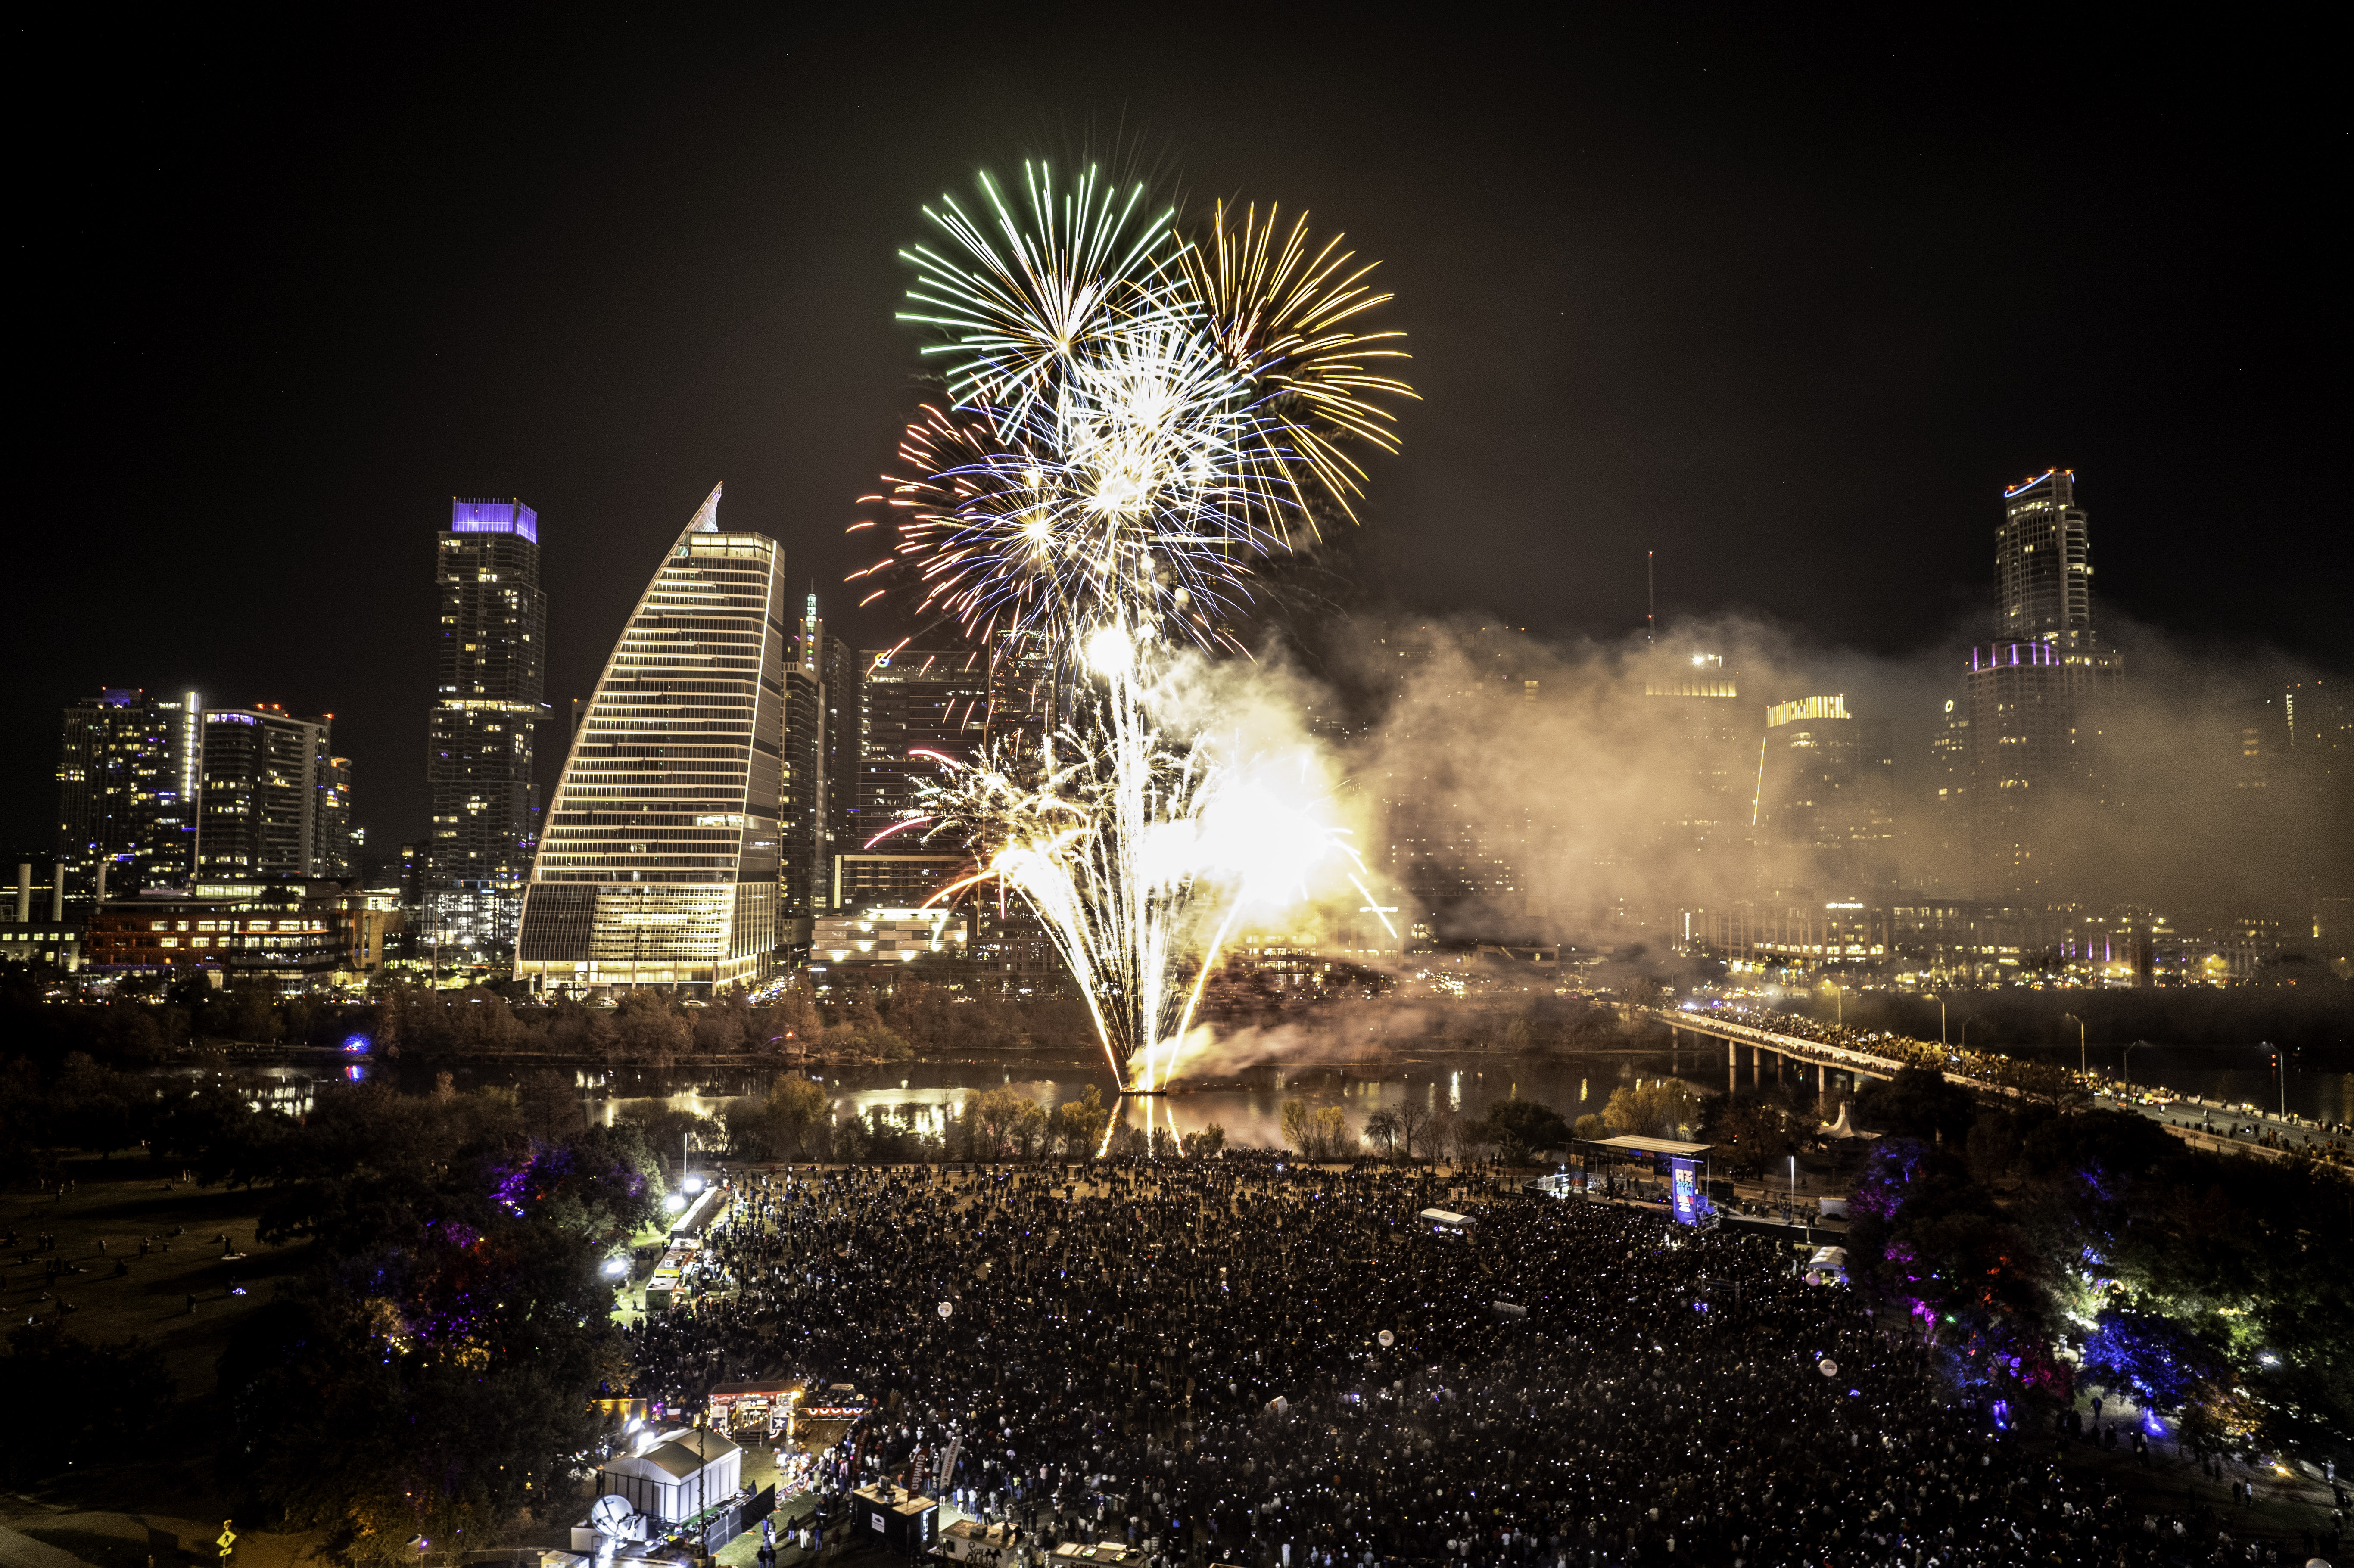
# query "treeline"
(2218, 1289)
(848, 1024)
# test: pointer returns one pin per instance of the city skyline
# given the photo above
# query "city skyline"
(1793, 361)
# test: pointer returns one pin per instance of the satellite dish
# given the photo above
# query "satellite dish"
(611, 1516)
(1827, 1367)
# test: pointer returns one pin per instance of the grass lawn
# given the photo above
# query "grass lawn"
(122, 1204)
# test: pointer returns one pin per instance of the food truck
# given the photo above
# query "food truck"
(762, 1409)
(668, 1285)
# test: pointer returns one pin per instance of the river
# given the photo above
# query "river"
(1249, 1106)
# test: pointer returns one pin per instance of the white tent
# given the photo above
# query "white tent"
(677, 1476)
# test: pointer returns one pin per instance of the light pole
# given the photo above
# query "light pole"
(2081, 1071)
(1940, 1000)
(2128, 1061)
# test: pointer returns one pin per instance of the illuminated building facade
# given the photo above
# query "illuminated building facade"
(2043, 561)
(1711, 738)
(914, 705)
(127, 772)
(2038, 795)
(490, 681)
(659, 864)
(1826, 797)
(821, 713)
(887, 934)
(289, 936)
(263, 786)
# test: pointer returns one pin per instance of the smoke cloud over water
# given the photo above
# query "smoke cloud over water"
(1501, 786)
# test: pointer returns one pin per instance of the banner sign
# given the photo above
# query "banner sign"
(1685, 1175)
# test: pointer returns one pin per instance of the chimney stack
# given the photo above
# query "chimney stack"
(57, 893)
(24, 891)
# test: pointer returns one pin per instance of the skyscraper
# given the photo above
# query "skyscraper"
(911, 702)
(659, 861)
(489, 679)
(2038, 791)
(263, 813)
(2043, 561)
(1826, 803)
(127, 771)
(821, 712)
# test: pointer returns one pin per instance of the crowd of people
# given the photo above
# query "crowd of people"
(1249, 1360)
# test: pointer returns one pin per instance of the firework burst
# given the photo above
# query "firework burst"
(1133, 418)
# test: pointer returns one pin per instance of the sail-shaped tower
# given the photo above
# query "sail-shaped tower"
(657, 864)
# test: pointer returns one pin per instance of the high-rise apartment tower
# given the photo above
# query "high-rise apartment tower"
(490, 681)
(2036, 699)
(127, 771)
(264, 809)
(2044, 560)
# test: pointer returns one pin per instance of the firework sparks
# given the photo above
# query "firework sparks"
(1133, 422)
(1139, 854)
(1133, 419)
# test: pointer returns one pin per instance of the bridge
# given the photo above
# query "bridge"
(1786, 1048)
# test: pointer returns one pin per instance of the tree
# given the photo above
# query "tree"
(1412, 1123)
(1331, 1135)
(1080, 1123)
(1521, 1128)
(647, 1028)
(1298, 1125)
(1003, 1124)
(1664, 1108)
(1919, 1103)
(1382, 1131)
(1203, 1144)
(796, 1103)
(1751, 1135)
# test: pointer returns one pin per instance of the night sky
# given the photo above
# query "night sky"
(1789, 306)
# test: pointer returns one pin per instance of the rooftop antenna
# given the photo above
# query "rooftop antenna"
(1650, 598)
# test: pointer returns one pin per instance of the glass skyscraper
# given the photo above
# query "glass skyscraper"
(491, 676)
(658, 865)
(127, 771)
(264, 812)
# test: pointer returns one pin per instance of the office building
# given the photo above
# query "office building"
(915, 707)
(491, 640)
(263, 788)
(822, 716)
(127, 768)
(289, 935)
(1825, 806)
(1708, 740)
(881, 934)
(2316, 771)
(658, 865)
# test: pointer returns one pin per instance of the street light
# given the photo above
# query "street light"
(2081, 1070)
(2128, 1063)
(1940, 1000)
